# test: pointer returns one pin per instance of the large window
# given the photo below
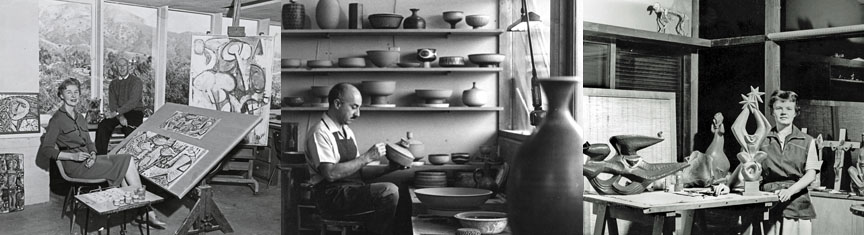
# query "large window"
(65, 33)
(129, 32)
(181, 27)
(276, 94)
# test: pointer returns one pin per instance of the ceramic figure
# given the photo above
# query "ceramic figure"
(856, 172)
(749, 170)
(819, 145)
(711, 167)
(626, 163)
(665, 16)
(839, 154)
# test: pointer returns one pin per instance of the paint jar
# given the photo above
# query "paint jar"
(679, 181)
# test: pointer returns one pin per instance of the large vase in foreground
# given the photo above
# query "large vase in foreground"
(544, 192)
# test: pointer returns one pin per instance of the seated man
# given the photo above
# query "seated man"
(335, 165)
(125, 105)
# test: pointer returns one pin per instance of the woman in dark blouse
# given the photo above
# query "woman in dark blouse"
(67, 139)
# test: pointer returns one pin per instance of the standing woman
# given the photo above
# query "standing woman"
(789, 168)
(66, 138)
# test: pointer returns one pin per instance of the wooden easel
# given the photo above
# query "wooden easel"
(840, 147)
(205, 215)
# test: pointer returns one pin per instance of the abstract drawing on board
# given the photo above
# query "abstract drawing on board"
(190, 124)
(160, 158)
(233, 75)
(19, 113)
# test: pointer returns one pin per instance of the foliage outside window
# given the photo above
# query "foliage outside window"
(181, 27)
(129, 32)
(64, 50)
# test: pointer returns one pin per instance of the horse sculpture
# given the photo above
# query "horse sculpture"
(665, 16)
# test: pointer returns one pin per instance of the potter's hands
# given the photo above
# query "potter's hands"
(785, 194)
(375, 153)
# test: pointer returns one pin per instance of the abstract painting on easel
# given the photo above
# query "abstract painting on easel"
(19, 113)
(160, 158)
(232, 74)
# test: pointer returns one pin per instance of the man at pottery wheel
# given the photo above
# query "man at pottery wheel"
(335, 166)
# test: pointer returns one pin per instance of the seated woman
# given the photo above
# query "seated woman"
(66, 139)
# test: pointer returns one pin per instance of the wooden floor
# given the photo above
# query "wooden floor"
(247, 213)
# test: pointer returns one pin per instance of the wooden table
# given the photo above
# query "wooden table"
(101, 202)
(661, 209)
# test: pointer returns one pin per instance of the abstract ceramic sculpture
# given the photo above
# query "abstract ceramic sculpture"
(711, 167)
(626, 163)
(749, 171)
(839, 154)
(666, 16)
(414, 21)
(544, 190)
(426, 56)
(819, 145)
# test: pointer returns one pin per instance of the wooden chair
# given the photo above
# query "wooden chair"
(74, 189)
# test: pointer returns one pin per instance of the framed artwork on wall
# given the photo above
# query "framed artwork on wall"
(19, 113)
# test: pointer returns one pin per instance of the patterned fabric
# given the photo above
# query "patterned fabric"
(11, 182)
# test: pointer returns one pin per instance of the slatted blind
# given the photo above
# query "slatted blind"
(637, 70)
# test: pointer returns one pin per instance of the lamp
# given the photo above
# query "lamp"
(524, 24)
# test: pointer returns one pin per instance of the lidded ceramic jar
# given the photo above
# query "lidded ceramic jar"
(415, 146)
(474, 97)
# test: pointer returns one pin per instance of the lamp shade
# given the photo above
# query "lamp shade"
(522, 23)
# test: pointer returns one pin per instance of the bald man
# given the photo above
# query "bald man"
(335, 165)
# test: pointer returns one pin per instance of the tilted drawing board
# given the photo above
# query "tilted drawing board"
(178, 145)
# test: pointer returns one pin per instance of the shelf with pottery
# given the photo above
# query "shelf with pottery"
(402, 109)
(393, 70)
(289, 33)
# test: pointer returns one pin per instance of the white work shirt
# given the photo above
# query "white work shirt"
(321, 144)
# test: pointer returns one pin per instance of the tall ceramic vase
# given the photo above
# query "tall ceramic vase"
(544, 192)
(327, 14)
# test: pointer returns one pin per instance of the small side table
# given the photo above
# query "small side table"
(101, 202)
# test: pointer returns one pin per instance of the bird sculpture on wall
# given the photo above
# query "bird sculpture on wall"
(711, 167)
(666, 16)
(625, 164)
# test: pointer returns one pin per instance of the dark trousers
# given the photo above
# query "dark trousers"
(337, 199)
(106, 127)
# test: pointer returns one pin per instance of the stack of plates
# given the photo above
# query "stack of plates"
(430, 179)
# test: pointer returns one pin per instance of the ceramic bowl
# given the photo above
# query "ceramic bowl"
(487, 60)
(451, 61)
(385, 21)
(290, 63)
(477, 21)
(433, 96)
(439, 159)
(399, 155)
(460, 158)
(488, 222)
(383, 58)
(319, 63)
(378, 88)
(452, 198)
(352, 62)
(293, 101)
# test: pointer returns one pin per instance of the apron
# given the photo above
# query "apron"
(335, 197)
(798, 206)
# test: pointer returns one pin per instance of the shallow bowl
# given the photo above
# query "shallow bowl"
(452, 198)
(385, 21)
(408, 64)
(439, 159)
(293, 101)
(486, 60)
(290, 63)
(319, 63)
(433, 94)
(488, 222)
(352, 62)
(383, 58)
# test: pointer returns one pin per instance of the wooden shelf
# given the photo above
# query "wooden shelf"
(846, 80)
(842, 62)
(389, 32)
(636, 35)
(403, 109)
(391, 70)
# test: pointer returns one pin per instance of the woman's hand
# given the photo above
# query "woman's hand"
(785, 194)
(78, 156)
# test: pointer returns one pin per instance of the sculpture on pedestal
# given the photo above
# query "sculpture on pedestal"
(626, 163)
(856, 172)
(839, 154)
(748, 173)
(711, 167)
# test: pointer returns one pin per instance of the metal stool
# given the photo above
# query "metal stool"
(344, 223)
(77, 184)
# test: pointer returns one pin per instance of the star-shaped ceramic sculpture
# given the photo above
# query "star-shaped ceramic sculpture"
(756, 94)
